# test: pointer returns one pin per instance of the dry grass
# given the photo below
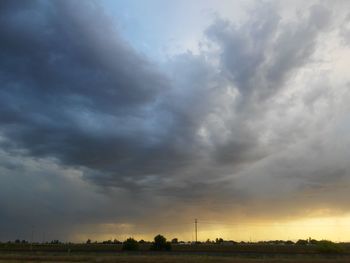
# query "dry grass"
(169, 258)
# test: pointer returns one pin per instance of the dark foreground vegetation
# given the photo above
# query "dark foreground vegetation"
(160, 250)
(170, 258)
(160, 243)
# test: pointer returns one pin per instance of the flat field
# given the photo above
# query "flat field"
(246, 253)
(169, 258)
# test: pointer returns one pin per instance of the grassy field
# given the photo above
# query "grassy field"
(207, 253)
(198, 248)
(169, 258)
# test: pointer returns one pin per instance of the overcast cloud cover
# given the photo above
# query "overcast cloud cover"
(98, 136)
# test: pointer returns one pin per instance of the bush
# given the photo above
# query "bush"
(116, 241)
(313, 241)
(130, 244)
(219, 240)
(302, 242)
(160, 244)
(325, 246)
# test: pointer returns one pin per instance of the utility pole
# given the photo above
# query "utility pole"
(195, 228)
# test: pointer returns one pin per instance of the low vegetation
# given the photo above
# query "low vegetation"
(325, 246)
(130, 245)
(169, 258)
(160, 244)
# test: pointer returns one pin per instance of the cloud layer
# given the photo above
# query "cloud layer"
(93, 131)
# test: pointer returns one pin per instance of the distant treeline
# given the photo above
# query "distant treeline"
(160, 238)
(219, 245)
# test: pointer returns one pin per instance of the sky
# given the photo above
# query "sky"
(133, 118)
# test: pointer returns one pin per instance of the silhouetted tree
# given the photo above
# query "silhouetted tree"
(302, 242)
(130, 244)
(160, 243)
(174, 241)
(88, 241)
(313, 241)
(326, 246)
(116, 241)
(219, 240)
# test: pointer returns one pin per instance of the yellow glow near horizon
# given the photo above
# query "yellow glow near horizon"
(336, 229)
(332, 228)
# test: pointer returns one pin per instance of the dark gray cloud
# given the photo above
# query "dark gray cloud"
(71, 88)
(86, 118)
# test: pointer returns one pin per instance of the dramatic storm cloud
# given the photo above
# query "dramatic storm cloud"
(99, 136)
